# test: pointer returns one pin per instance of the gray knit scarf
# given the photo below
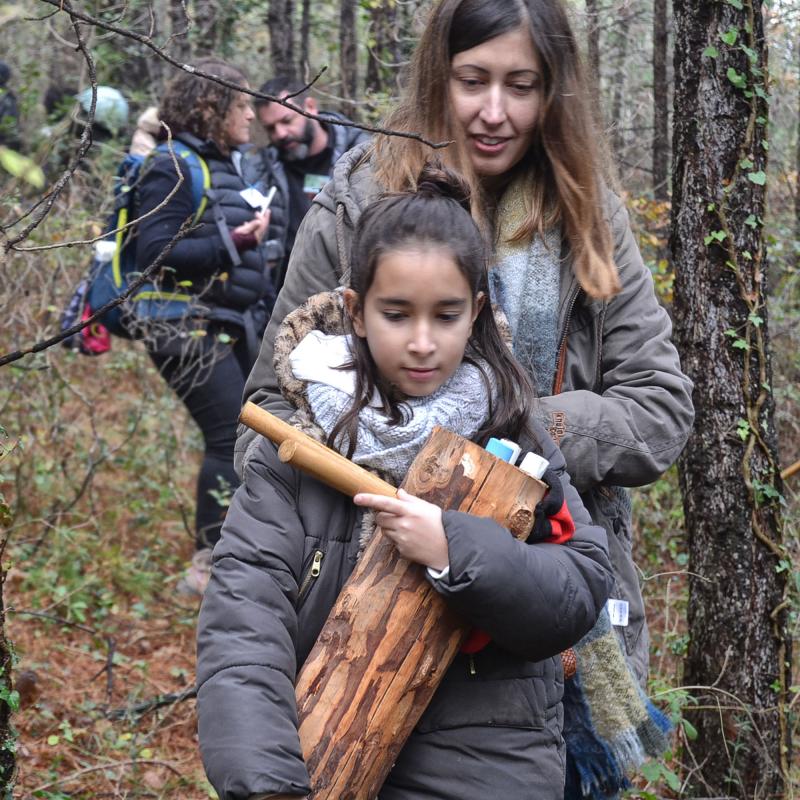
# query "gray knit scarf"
(461, 404)
(525, 282)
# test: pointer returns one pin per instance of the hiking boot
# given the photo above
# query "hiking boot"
(195, 579)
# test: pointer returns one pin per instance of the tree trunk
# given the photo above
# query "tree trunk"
(348, 57)
(305, 33)
(660, 102)
(179, 24)
(620, 76)
(390, 636)
(593, 57)
(204, 18)
(797, 169)
(280, 20)
(739, 653)
(8, 698)
(373, 80)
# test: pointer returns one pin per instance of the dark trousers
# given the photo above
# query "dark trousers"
(209, 376)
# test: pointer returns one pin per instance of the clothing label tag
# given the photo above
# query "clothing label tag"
(618, 612)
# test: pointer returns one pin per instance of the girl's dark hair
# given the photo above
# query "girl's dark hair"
(562, 168)
(198, 106)
(437, 214)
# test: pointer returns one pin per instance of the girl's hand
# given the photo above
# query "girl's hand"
(414, 525)
(257, 226)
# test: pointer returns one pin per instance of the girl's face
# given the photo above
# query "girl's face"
(416, 317)
(236, 126)
(496, 95)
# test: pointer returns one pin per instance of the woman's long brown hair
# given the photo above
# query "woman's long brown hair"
(562, 166)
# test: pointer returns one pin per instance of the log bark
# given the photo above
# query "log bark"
(390, 637)
(739, 655)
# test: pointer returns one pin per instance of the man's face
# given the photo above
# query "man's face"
(290, 132)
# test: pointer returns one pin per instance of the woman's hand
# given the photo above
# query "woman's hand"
(414, 525)
(257, 226)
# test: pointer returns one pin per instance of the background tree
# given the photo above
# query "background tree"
(280, 22)
(348, 56)
(660, 101)
(739, 656)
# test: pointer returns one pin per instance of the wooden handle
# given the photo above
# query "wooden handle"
(313, 457)
(339, 473)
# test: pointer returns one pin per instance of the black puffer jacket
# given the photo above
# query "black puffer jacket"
(496, 732)
(204, 257)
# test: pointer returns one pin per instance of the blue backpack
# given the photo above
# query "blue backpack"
(111, 273)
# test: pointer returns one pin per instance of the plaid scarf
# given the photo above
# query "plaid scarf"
(610, 726)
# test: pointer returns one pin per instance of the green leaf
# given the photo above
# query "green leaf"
(761, 120)
(751, 221)
(751, 54)
(224, 338)
(673, 781)
(759, 178)
(735, 4)
(741, 344)
(746, 163)
(747, 255)
(711, 52)
(743, 429)
(765, 144)
(737, 78)
(755, 320)
(21, 166)
(651, 770)
(689, 729)
(730, 36)
(53, 740)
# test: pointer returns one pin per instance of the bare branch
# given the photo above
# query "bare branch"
(67, 8)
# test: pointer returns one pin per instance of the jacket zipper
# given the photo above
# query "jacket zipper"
(310, 576)
(559, 376)
(472, 671)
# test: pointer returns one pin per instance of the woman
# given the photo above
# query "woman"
(503, 81)
(206, 355)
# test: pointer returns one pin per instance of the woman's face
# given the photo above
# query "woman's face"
(496, 95)
(236, 126)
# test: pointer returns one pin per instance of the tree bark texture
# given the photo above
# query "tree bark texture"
(348, 57)
(620, 79)
(178, 26)
(660, 102)
(7, 733)
(390, 637)
(280, 21)
(593, 58)
(739, 653)
(305, 36)
(205, 16)
(373, 80)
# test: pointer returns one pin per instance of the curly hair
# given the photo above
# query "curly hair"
(197, 106)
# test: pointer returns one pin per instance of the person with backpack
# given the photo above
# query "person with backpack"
(220, 268)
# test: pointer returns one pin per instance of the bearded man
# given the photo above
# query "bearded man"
(298, 161)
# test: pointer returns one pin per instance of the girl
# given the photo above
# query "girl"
(206, 357)
(423, 349)
(503, 81)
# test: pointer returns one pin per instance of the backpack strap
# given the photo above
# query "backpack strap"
(198, 172)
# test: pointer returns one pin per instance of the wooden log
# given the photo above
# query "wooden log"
(390, 637)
